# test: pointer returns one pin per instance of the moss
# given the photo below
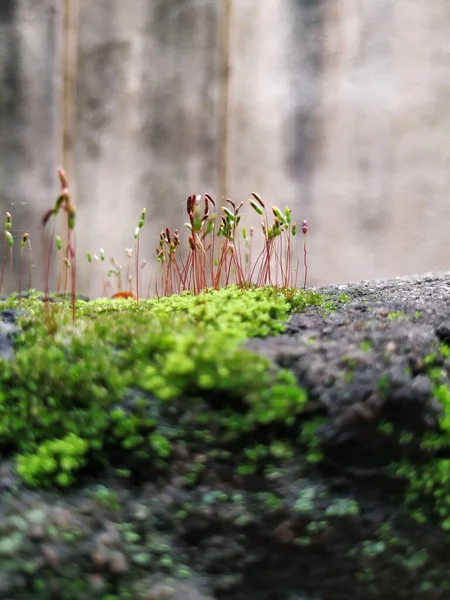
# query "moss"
(54, 460)
(306, 500)
(397, 315)
(386, 428)
(383, 386)
(270, 500)
(315, 527)
(341, 507)
(389, 547)
(365, 345)
(106, 498)
(131, 380)
(331, 303)
(349, 376)
(428, 478)
(309, 437)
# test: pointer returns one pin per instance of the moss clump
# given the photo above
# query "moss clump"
(53, 459)
(131, 380)
(429, 476)
(365, 345)
(398, 314)
(331, 302)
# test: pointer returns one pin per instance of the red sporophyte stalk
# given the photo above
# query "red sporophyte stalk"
(197, 258)
(264, 273)
(209, 230)
(10, 241)
(23, 243)
(8, 236)
(229, 257)
(171, 269)
(30, 263)
(305, 263)
(136, 237)
(129, 253)
(64, 202)
(248, 251)
(215, 265)
(214, 257)
(275, 246)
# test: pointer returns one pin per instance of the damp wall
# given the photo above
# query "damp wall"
(337, 108)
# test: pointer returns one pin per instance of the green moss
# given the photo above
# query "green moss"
(365, 345)
(130, 380)
(315, 527)
(386, 428)
(106, 498)
(349, 376)
(54, 460)
(406, 437)
(429, 476)
(397, 315)
(341, 507)
(331, 303)
(270, 500)
(306, 500)
(383, 386)
(373, 548)
(309, 437)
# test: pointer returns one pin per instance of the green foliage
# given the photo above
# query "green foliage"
(331, 303)
(396, 315)
(341, 507)
(308, 436)
(54, 460)
(106, 498)
(132, 379)
(365, 345)
(430, 477)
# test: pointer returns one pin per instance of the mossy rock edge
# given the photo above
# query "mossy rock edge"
(236, 445)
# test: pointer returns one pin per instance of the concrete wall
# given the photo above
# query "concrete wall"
(338, 108)
(29, 114)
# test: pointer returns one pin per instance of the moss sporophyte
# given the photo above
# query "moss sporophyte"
(218, 251)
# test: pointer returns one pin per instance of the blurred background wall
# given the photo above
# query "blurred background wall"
(337, 108)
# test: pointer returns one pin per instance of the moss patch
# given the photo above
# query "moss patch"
(429, 476)
(131, 381)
